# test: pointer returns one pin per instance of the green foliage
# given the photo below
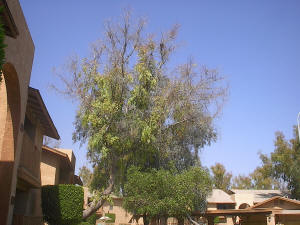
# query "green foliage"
(262, 176)
(92, 219)
(221, 178)
(162, 192)
(242, 182)
(2, 45)
(132, 111)
(62, 204)
(284, 163)
(86, 176)
(112, 217)
(86, 223)
(217, 219)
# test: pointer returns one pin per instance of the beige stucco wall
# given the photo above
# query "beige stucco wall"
(243, 198)
(19, 54)
(122, 217)
(3, 110)
(49, 169)
(211, 206)
(70, 154)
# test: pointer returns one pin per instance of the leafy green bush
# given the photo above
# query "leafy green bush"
(112, 217)
(85, 223)
(62, 204)
(92, 219)
(217, 220)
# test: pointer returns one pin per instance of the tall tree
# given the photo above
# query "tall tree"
(221, 178)
(134, 109)
(285, 162)
(242, 182)
(262, 175)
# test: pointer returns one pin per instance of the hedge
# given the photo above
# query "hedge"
(62, 204)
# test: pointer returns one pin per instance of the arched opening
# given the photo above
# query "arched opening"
(244, 206)
(10, 109)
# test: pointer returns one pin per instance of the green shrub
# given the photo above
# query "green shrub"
(217, 220)
(92, 219)
(112, 217)
(84, 223)
(62, 204)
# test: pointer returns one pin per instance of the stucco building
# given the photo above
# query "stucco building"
(238, 207)
(58, 167)
(16, 71)
(27, 198)
(24, 121)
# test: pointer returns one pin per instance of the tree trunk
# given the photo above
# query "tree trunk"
(146, 220)
(163, 220)
(93, 208)
(154, 221)
(192, 221)
(180, 221)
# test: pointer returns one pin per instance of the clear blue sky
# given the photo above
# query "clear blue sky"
(254, 43)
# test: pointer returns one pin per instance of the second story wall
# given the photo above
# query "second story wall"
(49, 169)
(56, 166)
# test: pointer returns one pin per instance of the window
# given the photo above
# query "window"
(225, 206)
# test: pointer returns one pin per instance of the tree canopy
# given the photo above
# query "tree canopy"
(162, 193)
(86, 176)
(221, 178)
(283, 164)
(136, 109)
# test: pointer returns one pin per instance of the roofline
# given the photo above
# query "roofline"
(234, 203)
(77, 180)
(273, 198)
(45, 112)
(59, 153)
(233, 211)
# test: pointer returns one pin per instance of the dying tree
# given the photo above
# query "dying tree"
(135, 109)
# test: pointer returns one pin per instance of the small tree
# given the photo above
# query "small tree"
(162, 194)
